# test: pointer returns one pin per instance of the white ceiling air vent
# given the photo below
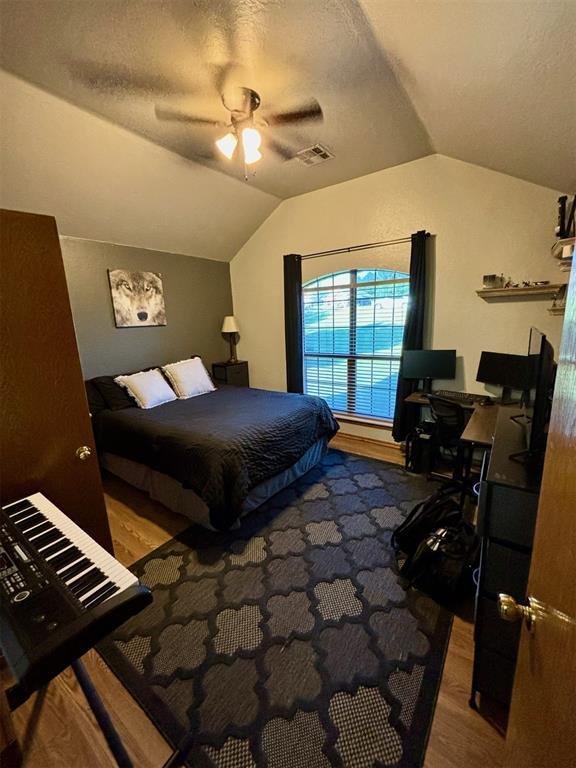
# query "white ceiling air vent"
(314, 155)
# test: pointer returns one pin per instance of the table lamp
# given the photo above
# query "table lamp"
(230, 326)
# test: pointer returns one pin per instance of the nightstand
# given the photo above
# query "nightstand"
(231, 373)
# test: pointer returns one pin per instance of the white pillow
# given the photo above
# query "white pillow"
(148, 388)
(189, 378)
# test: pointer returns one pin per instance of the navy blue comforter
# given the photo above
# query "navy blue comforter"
(222, 444)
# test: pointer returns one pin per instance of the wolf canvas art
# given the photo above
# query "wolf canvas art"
(137, 298)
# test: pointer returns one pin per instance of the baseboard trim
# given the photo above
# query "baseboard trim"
(368, 446)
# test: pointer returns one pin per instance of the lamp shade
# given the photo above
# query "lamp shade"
(230, 325)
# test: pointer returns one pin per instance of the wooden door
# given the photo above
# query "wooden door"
(44, 412)
(542, 726)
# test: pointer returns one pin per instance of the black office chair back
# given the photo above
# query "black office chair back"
(450, 420)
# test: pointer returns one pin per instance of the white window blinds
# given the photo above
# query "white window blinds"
(353, 329)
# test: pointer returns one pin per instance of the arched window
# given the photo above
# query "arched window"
(353, 329)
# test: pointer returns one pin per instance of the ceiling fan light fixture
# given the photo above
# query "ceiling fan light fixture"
(227, 145)
(251, 141)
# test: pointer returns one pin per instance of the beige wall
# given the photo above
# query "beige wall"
(483, 222)
(103, 182)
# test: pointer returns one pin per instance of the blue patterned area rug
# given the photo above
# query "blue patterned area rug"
(290, 643)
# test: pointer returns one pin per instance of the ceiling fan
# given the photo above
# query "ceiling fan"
(245, 132)
(245, 128)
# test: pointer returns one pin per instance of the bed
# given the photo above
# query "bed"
(214, 457)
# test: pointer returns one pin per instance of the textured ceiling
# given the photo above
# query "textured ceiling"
(493, 81)
(173, 52)
(486, 81)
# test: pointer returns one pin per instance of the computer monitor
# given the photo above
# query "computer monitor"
(541, 356)
(428, 364)
(507, 371)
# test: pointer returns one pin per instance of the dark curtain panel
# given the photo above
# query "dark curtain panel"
(293, 319)
(406, 417)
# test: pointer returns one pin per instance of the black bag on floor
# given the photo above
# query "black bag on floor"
(444, 561)
(437, 510)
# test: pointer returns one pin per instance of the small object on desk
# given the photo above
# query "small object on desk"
(466, 397)
(231, 373)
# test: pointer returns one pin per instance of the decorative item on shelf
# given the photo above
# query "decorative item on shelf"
(565, 226)
(559, 303)
(563, 250)
(230, 327)
(493, 281)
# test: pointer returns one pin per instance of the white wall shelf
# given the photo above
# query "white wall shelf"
(522, 292)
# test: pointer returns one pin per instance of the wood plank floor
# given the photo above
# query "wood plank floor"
(65, 735)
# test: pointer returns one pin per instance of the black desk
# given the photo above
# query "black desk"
(478, 432)
(507, 511)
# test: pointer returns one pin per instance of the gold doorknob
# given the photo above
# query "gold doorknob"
(510, 610)
(84, 452)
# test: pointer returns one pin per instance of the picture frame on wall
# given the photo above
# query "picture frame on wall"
(137, 298)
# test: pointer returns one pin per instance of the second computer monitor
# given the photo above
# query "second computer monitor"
(508, 371)
(428, 364)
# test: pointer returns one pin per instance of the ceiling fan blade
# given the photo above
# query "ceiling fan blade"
(175, 116)
(310, 111)
(286, 153)
(121, 80)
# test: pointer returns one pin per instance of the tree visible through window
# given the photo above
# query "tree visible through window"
(353, 329)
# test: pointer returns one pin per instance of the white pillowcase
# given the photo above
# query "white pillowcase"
(148, 388)
(189, 378)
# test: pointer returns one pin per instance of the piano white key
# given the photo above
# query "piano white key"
(71, 581)
(26, 531)
(65, 567)
(88, 596)
(22, 516)
(31, 538)
(49, 545)
(60, 551)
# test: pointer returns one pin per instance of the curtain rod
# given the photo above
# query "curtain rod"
(353, 248)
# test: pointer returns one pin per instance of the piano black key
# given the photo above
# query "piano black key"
(31, 529)
(103, 594)
(58, 546)
(19, 517)
(74, 570)
(12, 509)
(29, 520)
(46, 538)
(104, 587)
(92, 577)
(65, 558)
(91, 583)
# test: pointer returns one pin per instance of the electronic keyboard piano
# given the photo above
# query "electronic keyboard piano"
(61, 593)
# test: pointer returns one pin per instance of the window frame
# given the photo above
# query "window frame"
(352, 357)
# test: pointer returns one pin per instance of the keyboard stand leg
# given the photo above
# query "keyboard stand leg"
(178, 757)
(101, 715)
(32, 723)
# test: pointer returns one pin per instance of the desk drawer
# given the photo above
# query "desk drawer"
(504, 570)
(510, 515)
(494, 675)
(492, 632)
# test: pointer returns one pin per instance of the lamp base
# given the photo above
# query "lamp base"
(233, 358)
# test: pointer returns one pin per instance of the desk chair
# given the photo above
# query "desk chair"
(449, 422)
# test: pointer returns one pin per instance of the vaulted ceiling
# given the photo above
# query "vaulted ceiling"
(487, 81)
